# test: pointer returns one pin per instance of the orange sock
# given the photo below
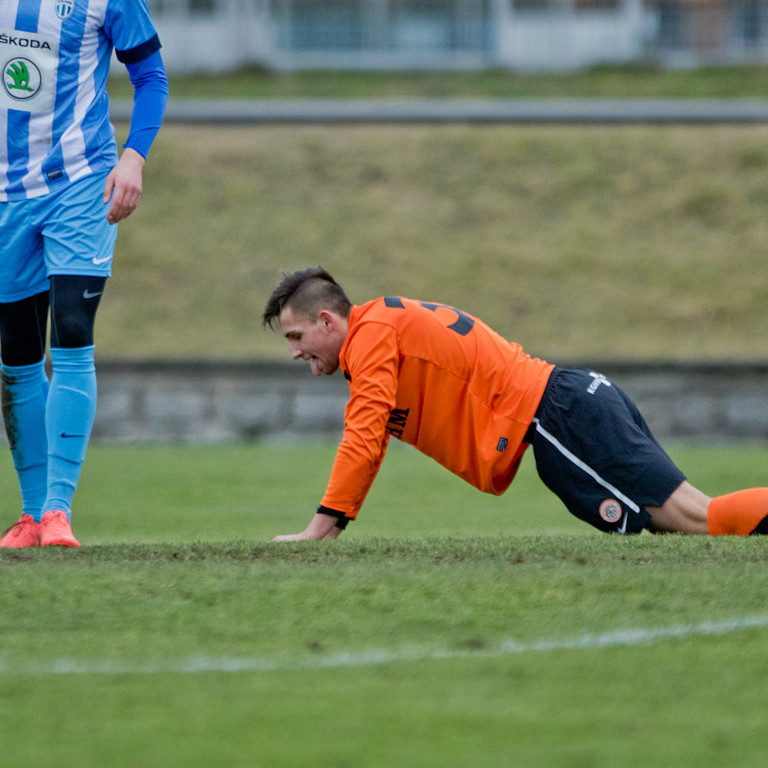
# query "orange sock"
(741, 513)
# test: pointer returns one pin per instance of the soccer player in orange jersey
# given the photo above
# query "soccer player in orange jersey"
(443, 381)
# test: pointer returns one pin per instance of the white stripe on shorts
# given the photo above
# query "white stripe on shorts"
(585, 467)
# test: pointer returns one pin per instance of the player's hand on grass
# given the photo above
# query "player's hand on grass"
(320, 527)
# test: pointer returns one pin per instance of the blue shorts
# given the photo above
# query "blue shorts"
(595, 451)
(62, 233)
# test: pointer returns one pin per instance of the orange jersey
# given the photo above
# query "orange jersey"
(440, 380)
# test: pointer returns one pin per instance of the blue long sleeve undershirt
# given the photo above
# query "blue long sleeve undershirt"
(150, 84)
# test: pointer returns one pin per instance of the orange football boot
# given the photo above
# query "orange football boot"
(56, 530)
(24, 533)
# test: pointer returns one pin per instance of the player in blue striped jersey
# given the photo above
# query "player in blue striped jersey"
(63, 188)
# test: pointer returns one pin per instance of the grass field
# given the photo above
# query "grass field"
(446, 628)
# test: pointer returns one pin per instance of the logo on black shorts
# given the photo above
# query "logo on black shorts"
(597, 380)
(610, 511)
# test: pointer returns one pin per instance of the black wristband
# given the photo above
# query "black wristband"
(341, 519)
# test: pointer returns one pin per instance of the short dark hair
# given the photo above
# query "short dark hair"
(307, 291)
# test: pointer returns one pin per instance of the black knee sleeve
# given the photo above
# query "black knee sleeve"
(74, 301)
(22, 330)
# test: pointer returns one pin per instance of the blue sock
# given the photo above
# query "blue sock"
(24, 393)
(69, 420)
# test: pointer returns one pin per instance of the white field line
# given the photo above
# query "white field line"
(198, 664)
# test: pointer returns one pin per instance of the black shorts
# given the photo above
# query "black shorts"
(595, 451)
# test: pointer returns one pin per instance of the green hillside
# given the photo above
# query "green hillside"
(580, 242)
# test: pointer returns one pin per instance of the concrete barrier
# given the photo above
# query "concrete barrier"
(208, 402)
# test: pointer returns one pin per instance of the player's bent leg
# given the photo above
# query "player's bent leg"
(742, 513)
(685, 511)
(688, 510)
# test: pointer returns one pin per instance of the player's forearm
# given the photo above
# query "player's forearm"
(150, 84)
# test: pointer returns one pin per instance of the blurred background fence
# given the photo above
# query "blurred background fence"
(223, 35)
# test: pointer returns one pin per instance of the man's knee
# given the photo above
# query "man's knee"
(685, 511)
(23, 329)
(74, 301)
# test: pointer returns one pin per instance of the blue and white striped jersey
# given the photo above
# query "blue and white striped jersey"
(54, 109)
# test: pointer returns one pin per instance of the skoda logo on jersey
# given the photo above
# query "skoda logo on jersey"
(21, 79)
(64, 8)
